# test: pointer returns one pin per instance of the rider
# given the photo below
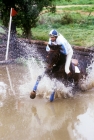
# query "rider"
(66, 49)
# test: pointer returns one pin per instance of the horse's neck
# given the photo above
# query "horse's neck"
(62, 58)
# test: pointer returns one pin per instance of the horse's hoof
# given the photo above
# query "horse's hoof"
(32, 94)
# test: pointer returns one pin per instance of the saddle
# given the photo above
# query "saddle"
(75, 63)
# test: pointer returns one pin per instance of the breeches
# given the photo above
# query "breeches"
(68, 61)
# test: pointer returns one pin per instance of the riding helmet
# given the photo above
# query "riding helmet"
(53, 33)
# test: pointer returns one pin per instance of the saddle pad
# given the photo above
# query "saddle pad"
(77, 69)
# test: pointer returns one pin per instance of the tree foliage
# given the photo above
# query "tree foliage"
(27, 12)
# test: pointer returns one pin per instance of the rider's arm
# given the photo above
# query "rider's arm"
(47, 48)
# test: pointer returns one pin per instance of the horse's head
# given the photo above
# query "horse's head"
(53, 55)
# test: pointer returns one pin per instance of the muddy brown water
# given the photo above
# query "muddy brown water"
(24, 119)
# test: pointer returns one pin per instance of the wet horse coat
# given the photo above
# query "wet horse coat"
(56, 64)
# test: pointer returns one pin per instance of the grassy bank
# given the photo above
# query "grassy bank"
(76, 24)
(80, 36)
(72, 2)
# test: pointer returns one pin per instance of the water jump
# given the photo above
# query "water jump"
(56, 69)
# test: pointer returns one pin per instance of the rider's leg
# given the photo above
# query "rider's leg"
(68, 61)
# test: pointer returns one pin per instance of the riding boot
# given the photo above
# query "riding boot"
(69, 75)
(69, 78)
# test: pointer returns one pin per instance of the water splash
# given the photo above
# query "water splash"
(3, 88)
(88, 82)
(46, 85)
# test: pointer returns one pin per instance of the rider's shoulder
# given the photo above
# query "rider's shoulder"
(61, 37)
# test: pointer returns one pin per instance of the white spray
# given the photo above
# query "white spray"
(46, 85)
(88, 82)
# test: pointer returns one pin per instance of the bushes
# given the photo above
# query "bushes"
(67, 19)
(61, 19)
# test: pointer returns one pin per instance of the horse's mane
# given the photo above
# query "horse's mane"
(55, 47)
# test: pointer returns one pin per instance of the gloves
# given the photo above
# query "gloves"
(47, 48)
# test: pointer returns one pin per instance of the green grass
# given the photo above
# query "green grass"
(80, 32)
(1, 29)
(73, 2)
(82, 8)
(76, 35)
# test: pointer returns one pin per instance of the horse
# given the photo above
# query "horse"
(56, 68)
(56, 63)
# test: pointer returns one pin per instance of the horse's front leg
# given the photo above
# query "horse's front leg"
(52, 96)
(33, 93)
(53, 92)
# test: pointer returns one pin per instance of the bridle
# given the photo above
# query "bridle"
(54, 57)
